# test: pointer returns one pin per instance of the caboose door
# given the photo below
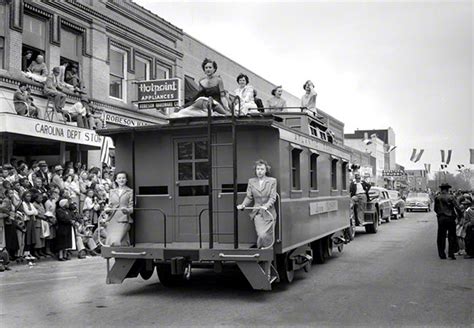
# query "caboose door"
(191, 188)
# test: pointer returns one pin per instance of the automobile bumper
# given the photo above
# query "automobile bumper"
(416, 207)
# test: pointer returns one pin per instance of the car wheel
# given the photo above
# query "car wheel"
(372, 228)
(388, 219)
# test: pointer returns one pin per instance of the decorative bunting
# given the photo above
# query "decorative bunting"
(448, 159)
(471, 151)
(427, 167)
(419, 155)
(391, 148)
(460, 167)
(413, 155)
(442, 155)
(105, 150)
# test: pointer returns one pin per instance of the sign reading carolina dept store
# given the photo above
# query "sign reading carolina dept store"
(48, 130)
(158, 93)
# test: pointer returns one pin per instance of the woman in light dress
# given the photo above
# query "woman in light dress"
(276, 103)
(246, 94)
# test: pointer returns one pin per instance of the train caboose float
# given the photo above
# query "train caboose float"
(189, 175)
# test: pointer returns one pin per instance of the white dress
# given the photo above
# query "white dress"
(247, 101)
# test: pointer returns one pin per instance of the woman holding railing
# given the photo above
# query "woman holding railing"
(276, 103)
(262, 191)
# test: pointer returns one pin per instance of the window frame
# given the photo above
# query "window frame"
(147, 63)
(2, 52)
(344, 175)
(124, 78)
(334, 173)
(44, 21)
(163, 67)
(313, 179)
(295, 169)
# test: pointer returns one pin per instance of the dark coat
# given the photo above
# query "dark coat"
(64, 233)
(445, 206)
(365, 185)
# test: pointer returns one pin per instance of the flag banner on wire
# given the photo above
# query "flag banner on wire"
(419, 155)
(105, 150)
(444, 167)
(391, 148)
(446, 159)
(471, 151)
(460, 167)
(427, 167)
(413, 155)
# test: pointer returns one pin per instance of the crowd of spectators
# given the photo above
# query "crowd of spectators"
(50, 211)
(56, 84)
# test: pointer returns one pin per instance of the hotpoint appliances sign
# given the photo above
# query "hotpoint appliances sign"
(158, 93)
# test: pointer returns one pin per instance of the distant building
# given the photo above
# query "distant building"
(365, 162)
(417, 180)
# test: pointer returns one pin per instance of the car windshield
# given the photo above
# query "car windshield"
(393, 194)
(418, 195)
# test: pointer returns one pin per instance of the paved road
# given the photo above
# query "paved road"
(393, 278)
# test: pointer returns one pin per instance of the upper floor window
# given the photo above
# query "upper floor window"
(118, 72)
(142, 69)
(2, 52)
(162, 72)
(34, 32)
(71, 45)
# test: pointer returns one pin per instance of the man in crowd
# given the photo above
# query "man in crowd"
(57, 178)
(78, 112)
(53, 89)
(359, 191)
(43, 173)
(444, 207)
(72, 78)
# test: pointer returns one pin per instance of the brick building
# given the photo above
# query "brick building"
(114, 43)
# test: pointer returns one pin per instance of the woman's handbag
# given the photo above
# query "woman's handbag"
(45, 231)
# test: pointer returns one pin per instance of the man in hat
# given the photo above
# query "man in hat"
(445, 207)
(52, 88)
(43, 173)
(57, 178)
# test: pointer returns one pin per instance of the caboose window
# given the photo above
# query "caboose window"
(334, 173)
(192, 160)
(295, 169)
(344, 175)
(313, 171)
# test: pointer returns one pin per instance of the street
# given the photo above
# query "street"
(392, 278)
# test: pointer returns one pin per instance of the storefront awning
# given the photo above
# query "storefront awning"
(12, 123)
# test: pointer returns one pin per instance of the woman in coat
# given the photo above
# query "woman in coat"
(119, 209)
(64, 231)
(30, 212)
(261, 190)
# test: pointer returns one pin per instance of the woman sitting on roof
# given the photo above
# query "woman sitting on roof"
(276, 103)
(211, 86)
(246, 94)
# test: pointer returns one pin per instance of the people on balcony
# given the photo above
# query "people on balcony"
(245, 92)
(23, 103)
(78, 112)
(26, 60)
(37, 71)
(94, 118)
(211, 86)
(52, 88)
(72, 78)
(276, 103)
(258, 102)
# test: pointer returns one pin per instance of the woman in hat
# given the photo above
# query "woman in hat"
(64, 232)
(57, 178)
(119, 210)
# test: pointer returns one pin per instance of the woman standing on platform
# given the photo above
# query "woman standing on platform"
(119, 209)
(308, 100)
(261, 191)
(276, 103)
(211, 86)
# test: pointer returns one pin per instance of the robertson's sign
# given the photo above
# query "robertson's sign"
(158, 93)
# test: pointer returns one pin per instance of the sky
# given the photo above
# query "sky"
(376, 64)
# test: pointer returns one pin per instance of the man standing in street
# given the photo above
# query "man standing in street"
(445, 210)
(359, 190)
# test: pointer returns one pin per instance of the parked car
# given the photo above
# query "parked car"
(398, 204)
(378, 208)
(418, 201)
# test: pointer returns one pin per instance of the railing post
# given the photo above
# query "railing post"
(234, 175)
(209, 156)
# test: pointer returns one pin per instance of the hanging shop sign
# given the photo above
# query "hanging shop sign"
(393, 173)
(158, 93)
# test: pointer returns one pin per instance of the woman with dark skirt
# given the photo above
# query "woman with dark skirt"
(64, 231)
(211, 86)
(7, 212)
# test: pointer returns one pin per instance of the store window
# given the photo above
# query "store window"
(295, 169)
(334, 174)
(118, 66)
(313, 171)
(162, 72)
